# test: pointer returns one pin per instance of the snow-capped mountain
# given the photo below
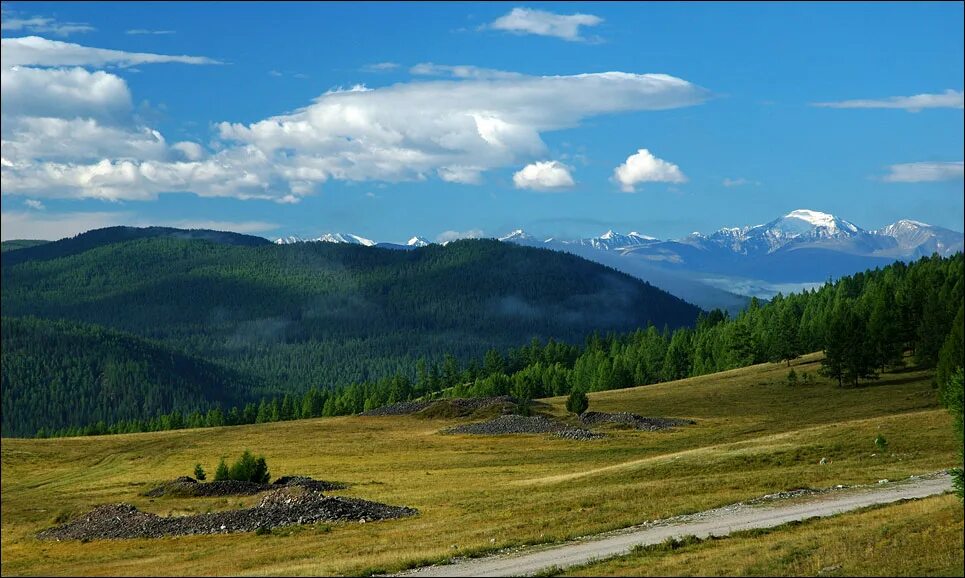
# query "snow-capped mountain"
(328, 238)
(917, 239)
(799, 226)
(801, 249)
(611, 241)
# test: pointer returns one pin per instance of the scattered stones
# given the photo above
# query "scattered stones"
(824, 461)
(592, 418)
(517, 424)
(187, 487)
(284, 506)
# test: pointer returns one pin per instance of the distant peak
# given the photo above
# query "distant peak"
(417, 242)
(517, 234)
(608, 235)
(813, 217)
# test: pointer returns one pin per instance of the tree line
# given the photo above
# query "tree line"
(865, 323)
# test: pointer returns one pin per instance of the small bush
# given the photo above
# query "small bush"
(791, 377)
(577, 402)
(199, 473)
(248, 468)
(222, 473)
(881, 443)
(263, 531)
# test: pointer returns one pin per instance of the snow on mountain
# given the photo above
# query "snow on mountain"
(347, 238)
(917, 239)
(417, 242)
(610, 241)
(799, 226)
(519, 236)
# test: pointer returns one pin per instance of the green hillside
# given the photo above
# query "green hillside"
(16, 244)
(56, 374)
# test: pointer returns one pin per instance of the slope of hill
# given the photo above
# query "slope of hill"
(16, 244)
(754, 436)
(56, 374)
(320, 314)
(43, 250)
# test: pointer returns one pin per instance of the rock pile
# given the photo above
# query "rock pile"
(517, 424)
(445, 407)
(401, 408)
(188, 487)
(284, 506)
(592, 418)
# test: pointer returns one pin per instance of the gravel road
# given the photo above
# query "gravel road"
(719, 522)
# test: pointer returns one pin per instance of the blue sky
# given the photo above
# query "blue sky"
(241, 134)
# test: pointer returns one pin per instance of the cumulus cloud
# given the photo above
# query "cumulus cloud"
(447, 236)
(643, 167)
(456, 129)
(948, 99)
(35, 204)
(37, 51)
(544, 176)
(925, 172)
(71, 132)
(542, 23)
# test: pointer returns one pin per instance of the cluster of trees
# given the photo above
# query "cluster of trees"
(877, 315)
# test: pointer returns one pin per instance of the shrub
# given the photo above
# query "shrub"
(222, 473)
(577, 402)
(199, 473)
(791, 377)
(881, 443)
(248, 468)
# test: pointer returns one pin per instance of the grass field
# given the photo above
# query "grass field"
(918, 538)
(754, 435)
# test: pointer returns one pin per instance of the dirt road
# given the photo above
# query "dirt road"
(763, 513)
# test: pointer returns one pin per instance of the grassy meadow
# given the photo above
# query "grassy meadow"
(754, 435)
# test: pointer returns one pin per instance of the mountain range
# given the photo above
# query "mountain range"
(799, 250)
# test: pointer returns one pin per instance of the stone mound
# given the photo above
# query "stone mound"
(187, 487)
(592, 418)
(284, 506)
(517, 424)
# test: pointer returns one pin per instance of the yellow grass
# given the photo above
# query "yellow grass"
(755, 435)
(919, 538)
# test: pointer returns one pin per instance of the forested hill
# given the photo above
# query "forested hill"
(21, 250)
(322, 314)
(56, 374)
(16, 244)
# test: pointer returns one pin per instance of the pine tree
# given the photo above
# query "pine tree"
(577, 402)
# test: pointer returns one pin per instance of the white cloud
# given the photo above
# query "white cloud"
(738, 182)
(925, 172)
(544, 176)
(457, 129)
(275, 73)
(643, 167)
(44, 25)
(447, 236)
(539, 22)
(460, 71)
(63, 93)
(145, 31)
(380, 67)
(37, 51)
(948, 99)
(34, 204)
(70, 132)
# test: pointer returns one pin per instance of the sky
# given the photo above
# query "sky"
(389, 120)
